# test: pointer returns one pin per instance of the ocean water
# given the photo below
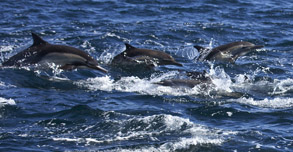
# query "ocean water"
(247, 107)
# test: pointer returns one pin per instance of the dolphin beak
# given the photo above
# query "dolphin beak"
(257, 47)
(101, 69)
(178, 64)
(98, 68)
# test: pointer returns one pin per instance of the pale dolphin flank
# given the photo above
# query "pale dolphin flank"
(181, 82)
(227, 53)
(196, 79)
(42, 52)
(149, 57)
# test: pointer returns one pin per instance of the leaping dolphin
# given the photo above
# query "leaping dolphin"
(227, 53)
(42, 52)
(149, 57)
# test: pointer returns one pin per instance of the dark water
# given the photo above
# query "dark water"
(248, 107)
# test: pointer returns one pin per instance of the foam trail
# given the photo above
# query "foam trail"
(4, 102)
(6, 48)
(135, 84)
(276, 103)
(282, 86)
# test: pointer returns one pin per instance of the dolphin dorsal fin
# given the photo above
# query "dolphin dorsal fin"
(128, 46)
(38, 40)
(199, 48)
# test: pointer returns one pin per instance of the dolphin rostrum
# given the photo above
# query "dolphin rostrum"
(42, 52)
(227, 53)
(134, 55)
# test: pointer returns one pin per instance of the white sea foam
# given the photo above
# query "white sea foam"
(108, 34)
(4, 85)
(135, 84)
(6, 48)
(110, 52)
(221, 82)
(267, 103)
(4, 102)
(282, 86)
(222, 85)
(88, 46)
(220, 79)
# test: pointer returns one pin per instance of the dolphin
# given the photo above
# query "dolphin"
(226, 53)
(190, 83)
(149, 57)
(42, 52)
(196, 79)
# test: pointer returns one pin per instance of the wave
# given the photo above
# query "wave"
(157, 131)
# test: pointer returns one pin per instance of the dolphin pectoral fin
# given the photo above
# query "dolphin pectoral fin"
(38, 40)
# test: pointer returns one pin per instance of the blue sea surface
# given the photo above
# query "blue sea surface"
(247, 107)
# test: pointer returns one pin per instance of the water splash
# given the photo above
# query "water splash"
(277, 103)
(4, 102)
(220, 79)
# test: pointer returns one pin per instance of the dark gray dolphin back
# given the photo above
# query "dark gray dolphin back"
(228, 52)
(133, 54)
(27, 56)
(68, 57)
